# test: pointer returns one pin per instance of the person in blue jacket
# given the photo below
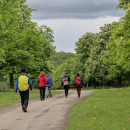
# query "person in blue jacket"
(48, 85)
(23, 83)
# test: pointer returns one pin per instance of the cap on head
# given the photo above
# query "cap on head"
(23, 70)
(66, 73)
(77, 74)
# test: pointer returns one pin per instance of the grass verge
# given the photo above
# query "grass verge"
(8, 98)
(103, 110)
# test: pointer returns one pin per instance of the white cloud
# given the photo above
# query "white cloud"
(68, 31)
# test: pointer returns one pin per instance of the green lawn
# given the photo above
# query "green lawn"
(7, 98)
(107, 109)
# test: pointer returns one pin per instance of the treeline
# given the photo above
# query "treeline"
(101, 58)
(22, 42)
(58, 59)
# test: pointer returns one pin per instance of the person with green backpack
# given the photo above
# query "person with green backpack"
(48, 85)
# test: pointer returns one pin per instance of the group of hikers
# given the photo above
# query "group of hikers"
(24, 83)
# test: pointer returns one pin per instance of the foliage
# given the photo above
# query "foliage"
(58, 59)
(23, 42)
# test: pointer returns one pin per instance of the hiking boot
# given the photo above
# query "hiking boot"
(78, 96)
(47, 96)
(24, 109)
(41, 98)
(51, 96)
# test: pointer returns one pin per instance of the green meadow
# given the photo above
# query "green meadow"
(8, 98)
(106, 109)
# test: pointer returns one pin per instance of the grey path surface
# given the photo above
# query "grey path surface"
(50, 114)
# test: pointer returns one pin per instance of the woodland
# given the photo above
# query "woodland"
(101, 59)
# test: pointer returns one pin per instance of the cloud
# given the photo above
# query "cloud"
(74, 9)
(68, 31)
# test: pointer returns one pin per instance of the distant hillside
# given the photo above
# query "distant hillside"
(62, 52)
(59, 58)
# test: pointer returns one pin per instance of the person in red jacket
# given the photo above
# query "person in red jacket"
(78, 84)
(42, 84)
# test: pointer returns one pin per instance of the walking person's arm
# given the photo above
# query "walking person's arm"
(45, 80)
(30, 83)
(51, 80)
(16, 86)
(38, 80)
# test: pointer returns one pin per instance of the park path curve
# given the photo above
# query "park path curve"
(50, 114)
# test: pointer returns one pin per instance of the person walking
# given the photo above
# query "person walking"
(66, 83)
(48, 85)
(42, 84)
(78, 84)
(23, 83)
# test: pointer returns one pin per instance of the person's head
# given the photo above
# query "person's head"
(23, 70)
(77, 74)
(48, 73)
(66, 74)
(42, 72)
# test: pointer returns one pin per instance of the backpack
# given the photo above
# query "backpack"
(65, 81)
(78, 80)
(48, 78)
(23, 83)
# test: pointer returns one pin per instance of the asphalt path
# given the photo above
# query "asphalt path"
(50, 114)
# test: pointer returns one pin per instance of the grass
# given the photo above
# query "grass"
(8, 98)
(107, 109)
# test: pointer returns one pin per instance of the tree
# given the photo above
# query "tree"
(117, 57)
(23, 42)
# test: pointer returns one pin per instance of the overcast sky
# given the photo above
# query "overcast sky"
(70, 19)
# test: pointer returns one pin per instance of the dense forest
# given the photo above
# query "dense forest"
(101, 59)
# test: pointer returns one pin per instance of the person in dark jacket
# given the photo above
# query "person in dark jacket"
(42, 85)
(48, 86)
(78, 82)
(23, 83)
(66, 83)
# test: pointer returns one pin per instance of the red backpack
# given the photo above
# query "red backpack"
(78, 80)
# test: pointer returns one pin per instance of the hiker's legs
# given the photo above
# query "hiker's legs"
(26, 98)
(43, 92)
(65, 90)
(78, 91)
(22, 97)
(46, 91)
(50, 91)
(40, 88)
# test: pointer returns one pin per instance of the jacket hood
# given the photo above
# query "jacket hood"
(47, 75)
(42, 75)
(23, 73)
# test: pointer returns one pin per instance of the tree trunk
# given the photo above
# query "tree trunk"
(119, 81)
(11, 81)
(87, 84)
(103, 85)
(93, 84)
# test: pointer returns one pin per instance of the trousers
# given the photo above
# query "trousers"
(42, 92)
(24, 97)
(48, 88)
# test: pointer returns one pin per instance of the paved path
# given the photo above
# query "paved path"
(50, 114)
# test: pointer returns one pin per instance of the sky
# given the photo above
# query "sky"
(70, 19)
